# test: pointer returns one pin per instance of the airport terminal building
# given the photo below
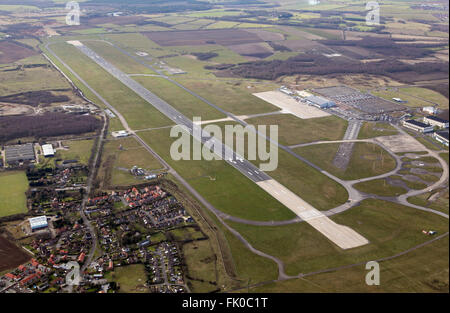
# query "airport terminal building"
(320, 102)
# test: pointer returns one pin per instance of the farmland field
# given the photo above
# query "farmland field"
(13, 186)
(11, 256)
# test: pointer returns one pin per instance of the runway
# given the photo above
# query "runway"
(342, 236)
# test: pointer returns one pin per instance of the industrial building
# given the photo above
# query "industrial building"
(320, 102)
(19, 153)
(48, 151)
(435, 121)
(442, 137)
(37, 223)
(417, 126)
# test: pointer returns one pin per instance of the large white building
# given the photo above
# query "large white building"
(38, 222)
(435, 121)
(417, 126)
(48, 151)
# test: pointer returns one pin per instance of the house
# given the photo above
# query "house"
(81, 257)
(417, 126)
(435, 121)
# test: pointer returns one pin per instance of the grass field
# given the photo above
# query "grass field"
(444, 156)
(412, 101)
(367, 160)
(13, 186)
(422, 270)
(390, 228)
(130, 278)
(31, 79)
(293, 130)
(426, 94)
(440, 204)
(78, 150)
(235, 97)
(201, 262)
(115, 162)
(180, 99)
(379, 187)
(371, 130)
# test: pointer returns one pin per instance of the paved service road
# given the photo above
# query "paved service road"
(342, 236)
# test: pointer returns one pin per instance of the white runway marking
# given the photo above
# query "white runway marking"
(342, 236)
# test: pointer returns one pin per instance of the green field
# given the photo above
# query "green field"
(201, 263)
(412, 101)
(422, 270)
(426, 94)
(235, 97)
(389, 227)
(379, 187)
(116, 162)
(293, 130)
(371, 130)
(367, 160)
(130, 278)
(13, 186)
(31, 79)
(78, 150)
(441, 203)
(180, 99)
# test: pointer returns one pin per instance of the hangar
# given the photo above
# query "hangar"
(19, 153)
(418, 126)
(320, 102)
